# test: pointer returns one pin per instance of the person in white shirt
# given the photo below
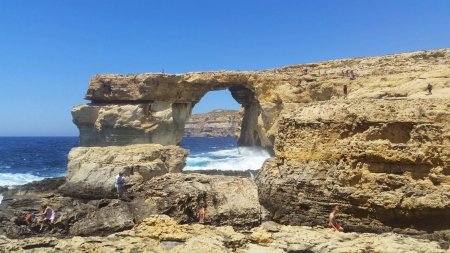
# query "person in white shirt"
(120, 185)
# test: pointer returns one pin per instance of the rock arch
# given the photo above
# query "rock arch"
(153, 108)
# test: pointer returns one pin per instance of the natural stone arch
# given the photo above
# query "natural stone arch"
(153, 108)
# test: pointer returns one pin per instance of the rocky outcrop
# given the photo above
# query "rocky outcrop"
(218, 123)
(385, 162)
(162, 234)
(230, 201)
(117, 124)
(91, 171)
(109, 217)
(153, 108)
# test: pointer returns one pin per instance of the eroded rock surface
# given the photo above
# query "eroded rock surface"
(385, 162)
(231, 200)
(153, 108)
(73, 216)
(119, 124)
(91, 171)
(162, 234)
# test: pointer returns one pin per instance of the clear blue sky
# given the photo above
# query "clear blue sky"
(50, 49)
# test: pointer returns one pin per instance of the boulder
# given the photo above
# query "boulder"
(114, 217)
(230, 200)
(92, 170)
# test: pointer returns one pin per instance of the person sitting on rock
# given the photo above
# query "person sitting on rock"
(202, 214)
(332, 222)
(49, 216)
(29, 219)
(120, 185)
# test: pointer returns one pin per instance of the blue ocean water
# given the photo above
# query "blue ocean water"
(26, 159)
(221, 154)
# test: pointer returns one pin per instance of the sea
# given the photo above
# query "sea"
(26, 159)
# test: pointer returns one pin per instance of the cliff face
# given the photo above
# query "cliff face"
(386, 163)
(218, 123)
(382, 155)
(146, 108)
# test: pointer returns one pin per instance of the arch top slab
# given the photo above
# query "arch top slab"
(180, 88)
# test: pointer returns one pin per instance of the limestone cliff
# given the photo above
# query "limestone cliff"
(218, 123)
(153, 108)
(385, 162)
(382, 154)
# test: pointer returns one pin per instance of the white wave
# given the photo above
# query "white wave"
(246, 158)
(254, 152)
(17, 179)
(226, 152)
(1, 198)
(199, 159)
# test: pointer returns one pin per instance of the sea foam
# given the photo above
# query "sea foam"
(17, 179)
(242, 158)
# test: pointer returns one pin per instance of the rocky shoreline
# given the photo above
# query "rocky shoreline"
(159, 216)
(382, 155)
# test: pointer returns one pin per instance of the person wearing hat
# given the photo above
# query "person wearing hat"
(120, 185)
(29, 219)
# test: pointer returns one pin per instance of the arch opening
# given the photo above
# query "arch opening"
(222, 135)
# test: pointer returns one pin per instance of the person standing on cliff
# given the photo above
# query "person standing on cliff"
(345, 92)
(202, 214)
(332, 222)
(429, 88)
(120, 185)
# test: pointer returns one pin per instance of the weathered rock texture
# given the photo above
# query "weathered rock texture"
(231, 200)
(385, 162)
(218, 123)
(161, 234)
(92, 170)
(73, 216)
(117, 124)
(153, 108)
